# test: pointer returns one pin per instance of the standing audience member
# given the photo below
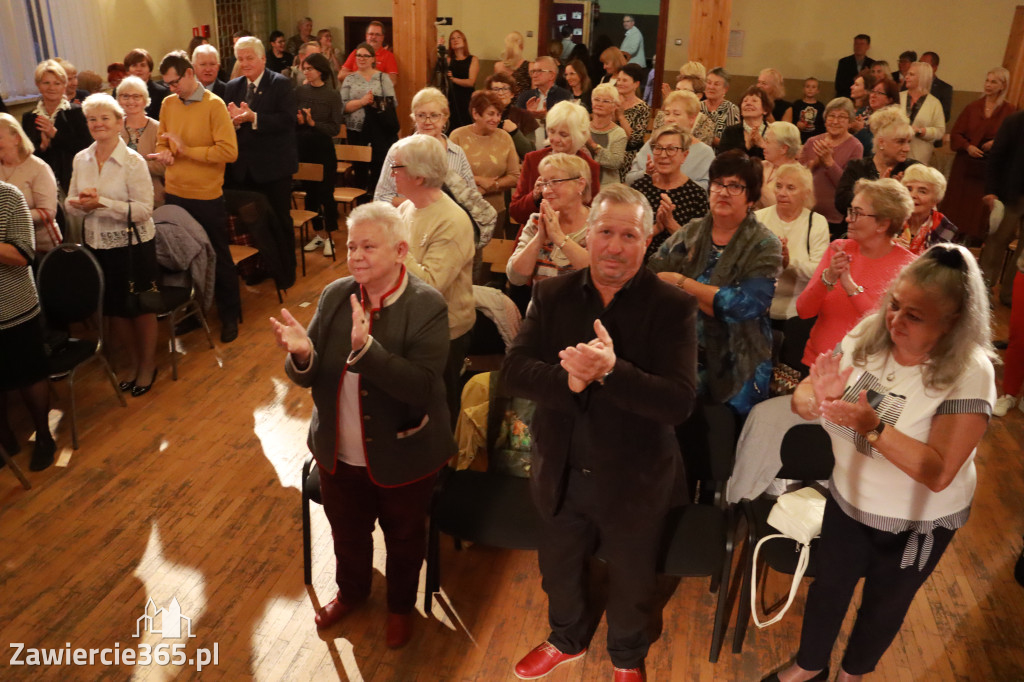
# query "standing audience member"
(55, 126)
(926, 226)
(115, 73)
(23, 363)
(110, 186)
(808, 114)
(942, 90)
(607, 141)
(74, 94)
(804, 236)
(463, 70)
(603, 406)
(880, 72)
(923, 110)
(295, 72)
(855, 272)
(892, 134)
(392, 375)
(544, 94)
(34, 179)
(359, 91)
(197, 140)
(140, 63)
(612, 60)
(781, 146)
(568, 45)
(262, 108)
(1004, 180)
(680, 108)
(772, 82)
(319, 119)
(861, 95)
(904, 474)
(206, 62)
(514, 121)
(748, 134)
(715, 106)
(972, 138)
(140, 132)
(907, 58)
(490, 150)
(633, 113)
(633, 43)
(826, 156)
(385, 58)
(849, 67)
(303, 35)
(578, 80)
(513, 65)
(333, 56)
(441, 245)
(279, 58)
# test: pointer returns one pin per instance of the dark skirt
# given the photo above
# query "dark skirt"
(114, 263)
(22, 355)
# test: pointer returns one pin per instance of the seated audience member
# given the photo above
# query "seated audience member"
(772, 82)
(303, 35)
(490, 150)
(394, 373)
(140, 63)
(904, 474)
(634, 114)
(892, 133)
(441, 247)
(108, 182)
(463, 70)
(513, 65)
(74, 94)
(972, 138)
(926, 226)
(804, 236)
(33, 178)
(279, 58)
(855, 272)
(715, 106)
(607, 141)
(684, 81)
(514, 121)
(568, 128)
(781, 146)
(861, 90)
(826, 155)
(115, 72)
(924, 111)
(942, 90)
(23, 363)
(612, 60)
(674, 198)
(206, 62)
(385, 58)
(55, 126)
(578, 80)
(748, 134)
(733, 285)
(554, 240)
(140, 131)
(327, 49)
(681, 109)
(808, 114)
(850, 66)
(359, 91)
(319, 119)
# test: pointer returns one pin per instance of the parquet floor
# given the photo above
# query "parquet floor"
(191, 494)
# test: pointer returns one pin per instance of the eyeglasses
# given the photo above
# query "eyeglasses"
(501, 90)
(544, 184)
(173, 83)
(670, 150)
(534, 72)
(364, 56)
(433, 118)
(733, 189)
(837, 117)
(855, 214)
(877, 92)
(395, 167)
(131, 97)
(604, 101)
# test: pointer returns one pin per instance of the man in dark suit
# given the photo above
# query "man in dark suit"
(544, 94)
(942, 90)
(262, 107)
(206, 61)
(609, 354)
(907, 57)
(849, 67)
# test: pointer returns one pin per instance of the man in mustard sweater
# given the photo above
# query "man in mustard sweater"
(196, 141)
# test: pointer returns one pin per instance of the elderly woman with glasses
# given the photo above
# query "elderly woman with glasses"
(781, 147)
(855, 272)
(748, 134)
(140, 131)
(359, 90)
(880, 94)
(892, 134)
(514, 121)
(728, 261)
(607, 141)
(680, 108)
(826, 155)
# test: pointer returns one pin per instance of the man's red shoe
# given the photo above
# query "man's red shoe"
(543, 659)
(399, 630)
(630, 675)
(330, 614)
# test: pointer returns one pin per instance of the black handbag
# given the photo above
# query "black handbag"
(139, 302)
(382, 114)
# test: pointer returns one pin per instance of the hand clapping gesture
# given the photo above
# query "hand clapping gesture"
(665, 219)
(549, 223)
(785, 253)
(292, 337)
(823, 148)
(588, 362)
(826, 379)
(88, 200)
(360, 324)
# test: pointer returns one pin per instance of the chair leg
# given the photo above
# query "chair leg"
(206, 327)
(13, 466)
(174, 348)
(433, 578)
(71, 400)
(721, 614)
(331, 241)
(113, 380)
(307, 550)
(743, 612)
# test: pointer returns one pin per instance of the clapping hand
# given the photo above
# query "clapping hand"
(45, 127)
(785, 253)
(536, 105)
(823, 148)
(826, 379)
(665, 217)
(859, 416)
(292, 337)
(360, 324)
(508, 126)
(549, 221)
(839, 265)
(88, 200)
(587, 362)
(241, 113)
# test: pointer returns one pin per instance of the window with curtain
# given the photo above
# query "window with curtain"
(34, 30)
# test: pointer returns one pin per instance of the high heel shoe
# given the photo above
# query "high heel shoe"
(774, 677)
(143, 390)
(126, 386)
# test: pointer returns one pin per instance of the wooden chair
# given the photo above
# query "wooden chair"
(346, 196)
(497, 252)
(240, 253)
(301, 218)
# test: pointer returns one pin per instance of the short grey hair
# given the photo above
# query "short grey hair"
(929, 176)
(573, 117)
(385, 217)
(607, 90)
(620, 194)
(843, 104)
(803, 177)
(685, 138)
(786, 134)
(250, 43)
(424, 156)
(721, 73)
(134, 84)
(205, 48)
(889, 200)
(101, 100)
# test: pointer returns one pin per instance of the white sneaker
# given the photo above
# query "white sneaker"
(314, 244)
(328, 249)
(1003, 405)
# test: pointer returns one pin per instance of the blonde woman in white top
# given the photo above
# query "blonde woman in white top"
(924, 111)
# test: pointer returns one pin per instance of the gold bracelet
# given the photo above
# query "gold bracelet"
(564, 242)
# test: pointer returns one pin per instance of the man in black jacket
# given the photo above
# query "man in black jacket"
(849, 67)
(1004, 180)
(609, 354)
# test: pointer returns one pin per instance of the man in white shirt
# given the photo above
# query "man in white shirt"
(633, 43)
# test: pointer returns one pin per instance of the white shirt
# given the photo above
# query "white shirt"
(806, 248)
(123, 182)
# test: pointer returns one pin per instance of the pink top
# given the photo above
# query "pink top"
(826, 179)
(838, 313)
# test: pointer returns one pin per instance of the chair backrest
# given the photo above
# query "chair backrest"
(70, 283)
(312, 172)
(806, 454)
(497, 252)
(353, 152)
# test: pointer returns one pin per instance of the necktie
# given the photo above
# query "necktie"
(250, 93)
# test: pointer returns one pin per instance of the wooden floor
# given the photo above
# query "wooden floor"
(191, 493)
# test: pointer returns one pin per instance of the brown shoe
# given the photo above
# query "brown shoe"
(399, 630)
(330, 614)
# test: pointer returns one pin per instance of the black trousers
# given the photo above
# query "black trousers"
(279, 195)
(849, 551)
(629, 545)
(213, 216)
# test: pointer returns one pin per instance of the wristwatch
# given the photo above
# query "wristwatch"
(874, 434)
